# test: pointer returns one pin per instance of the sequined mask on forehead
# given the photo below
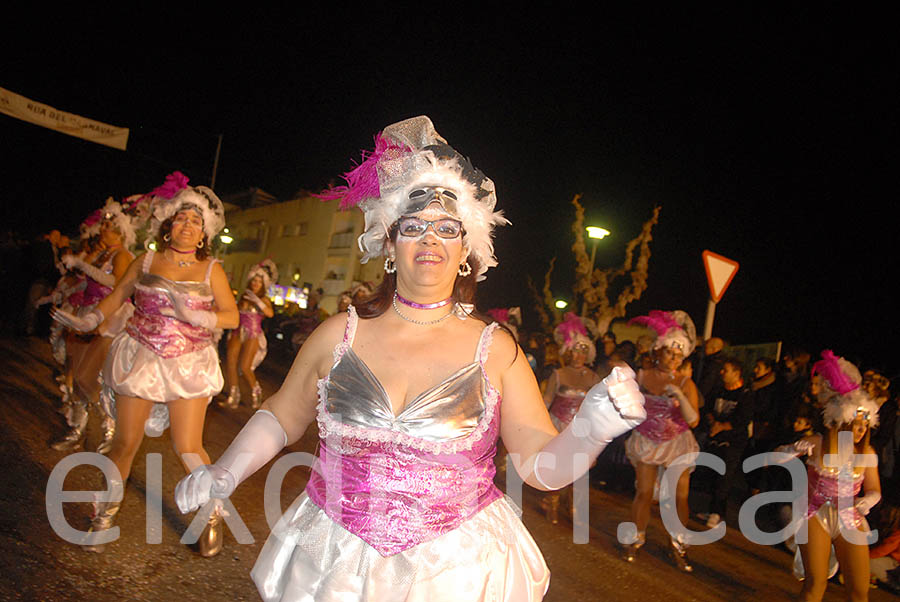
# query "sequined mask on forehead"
(421, 198)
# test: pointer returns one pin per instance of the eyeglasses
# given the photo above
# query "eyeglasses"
(414, 226)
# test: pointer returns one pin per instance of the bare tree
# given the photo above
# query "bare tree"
(593, 289)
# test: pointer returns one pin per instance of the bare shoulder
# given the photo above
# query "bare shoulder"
(503, 349)
(328, 334)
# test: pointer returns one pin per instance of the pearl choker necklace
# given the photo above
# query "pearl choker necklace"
(415, 305)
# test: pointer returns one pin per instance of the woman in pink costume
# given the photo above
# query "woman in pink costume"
(837, 474)
(86, 352)
(247, 343)
(166, 355)
(567, 386)
(406, 391)
(671, 401)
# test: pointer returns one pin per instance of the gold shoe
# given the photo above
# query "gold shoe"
(75, 437)
(213, 537)
(256, 397)
(234, 399)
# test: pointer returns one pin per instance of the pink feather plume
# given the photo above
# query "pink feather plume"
(175, 183)
(362, 180)
(499, 314)
(660, 321)
(571, 326)
(830, 369)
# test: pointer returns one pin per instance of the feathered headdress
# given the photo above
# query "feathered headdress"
(673, 329)
(843, 399)
(509, 317)
(113, 211)
(91, 225)
(265, 269)
(575, 330)
(175, 195)
(410, 155)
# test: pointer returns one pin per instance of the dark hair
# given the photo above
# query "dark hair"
(165, 229)
(735, 365)
(768, 362)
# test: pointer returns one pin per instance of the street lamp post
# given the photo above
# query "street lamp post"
(595, 233)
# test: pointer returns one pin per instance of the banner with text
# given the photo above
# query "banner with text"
(22, 108)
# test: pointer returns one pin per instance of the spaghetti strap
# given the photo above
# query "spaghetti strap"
(209, 268)
(148, 260)
(484, 343)
(349, 334)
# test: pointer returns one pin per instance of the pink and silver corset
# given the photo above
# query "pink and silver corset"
(566, 404)
(251, 324)
(664, 421)
(92, 294)
(397, 481)
(165, 335)
(825, 486)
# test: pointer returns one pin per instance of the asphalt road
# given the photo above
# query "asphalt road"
(36, 564)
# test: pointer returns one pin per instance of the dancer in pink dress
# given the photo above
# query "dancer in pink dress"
(671, 402)
(411, 392)
(247, 343)
(838, 474)
(166, 356)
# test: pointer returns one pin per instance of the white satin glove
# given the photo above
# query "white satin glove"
(803, 447)
(688, 412)
(95, 273)
(257, 443)
(867, 502)
(252, 298)
(85, 323)
(611, 408)
(197, 317)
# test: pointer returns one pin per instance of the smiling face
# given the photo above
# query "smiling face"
(109, 236)
(256, 285)
(427, 264)
(670, 359)
(187, 229)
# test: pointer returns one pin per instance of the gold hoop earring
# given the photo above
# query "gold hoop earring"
(167, 237)
(389, 266)
(200, 244)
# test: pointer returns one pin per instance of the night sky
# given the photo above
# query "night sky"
(769, 138)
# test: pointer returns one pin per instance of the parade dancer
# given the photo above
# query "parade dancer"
(406, 393)
(836, 476)
(166, 354)
(86, 352)
(671, 402)
(247, 343)
(567, 386)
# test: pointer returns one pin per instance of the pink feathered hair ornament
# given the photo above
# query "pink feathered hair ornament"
(499, 314)
(572, 326)
(362, 180)
(830, 369)
(660, 321)
(175, 183)
(92, 219)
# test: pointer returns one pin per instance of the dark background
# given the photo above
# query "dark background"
(765, 135)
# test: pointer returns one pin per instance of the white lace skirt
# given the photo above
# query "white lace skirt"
(491, 557)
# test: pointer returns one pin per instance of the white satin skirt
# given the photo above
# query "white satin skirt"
(639, 448)
(491, 557)
(134, 370)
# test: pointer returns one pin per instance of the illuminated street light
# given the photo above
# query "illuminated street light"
(595, 233)
(560, 304)
(226, 239)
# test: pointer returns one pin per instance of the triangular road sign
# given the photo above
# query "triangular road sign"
(719, 272)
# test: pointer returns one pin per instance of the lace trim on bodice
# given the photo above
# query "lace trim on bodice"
(330, 427)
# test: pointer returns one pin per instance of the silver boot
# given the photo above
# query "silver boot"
(234, 398)
(256, 397)
(75, 437)
(103, 518)
(109, 431)
(632, 548)
(679, 553)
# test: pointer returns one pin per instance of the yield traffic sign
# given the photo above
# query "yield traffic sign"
(719, 273)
